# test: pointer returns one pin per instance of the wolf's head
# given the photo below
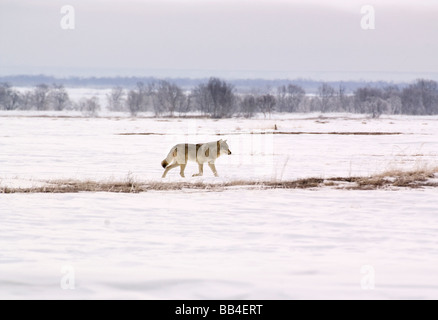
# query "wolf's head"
(224, 148)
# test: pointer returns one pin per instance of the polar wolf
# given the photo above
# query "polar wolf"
(180, 154)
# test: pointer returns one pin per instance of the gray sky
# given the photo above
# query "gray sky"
(231, 38)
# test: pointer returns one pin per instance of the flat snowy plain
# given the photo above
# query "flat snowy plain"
(237, 243)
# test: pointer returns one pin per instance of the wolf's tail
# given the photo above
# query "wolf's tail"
(164, 163)
(169, 158)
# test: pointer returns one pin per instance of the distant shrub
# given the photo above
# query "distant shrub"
(89, 107)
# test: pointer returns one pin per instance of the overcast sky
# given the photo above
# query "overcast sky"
(231, 38)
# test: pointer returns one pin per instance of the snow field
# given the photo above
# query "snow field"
(234, 244)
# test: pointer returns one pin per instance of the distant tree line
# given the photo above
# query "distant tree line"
(44, 97)
(241, 85)
(217, 98)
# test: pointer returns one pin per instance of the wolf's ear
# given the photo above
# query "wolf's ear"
(225, 140)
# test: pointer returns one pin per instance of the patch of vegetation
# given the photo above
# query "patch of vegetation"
(420, 178)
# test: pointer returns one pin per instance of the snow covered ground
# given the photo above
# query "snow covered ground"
(233, 244)
(37, 148)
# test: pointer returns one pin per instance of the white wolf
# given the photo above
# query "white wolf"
(180, 154)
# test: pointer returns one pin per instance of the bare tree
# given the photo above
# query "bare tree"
(9, 98)
(216, 98)
(394, 104)
(187, 106)
(248, 106)
(326, 93)
(58, 97)
(202, 99)
(389, 100)
(116, 99)
(222, 97)
(169, 97)
(266, 104)
(343, 100)
(289, 97)
(138, 99)
(421, 98)
(392, 95)
(40, 95)
(26, 101)
(376, 106)
(89, 107)
(365, 99)
(133, 102)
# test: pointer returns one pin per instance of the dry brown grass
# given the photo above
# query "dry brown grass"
(418, 178)
(388, 180)
(415, 178)
(74, 186)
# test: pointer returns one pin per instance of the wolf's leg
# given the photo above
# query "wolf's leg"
(183, 167)
(168, 168)
(213, 168)
(201, 170)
